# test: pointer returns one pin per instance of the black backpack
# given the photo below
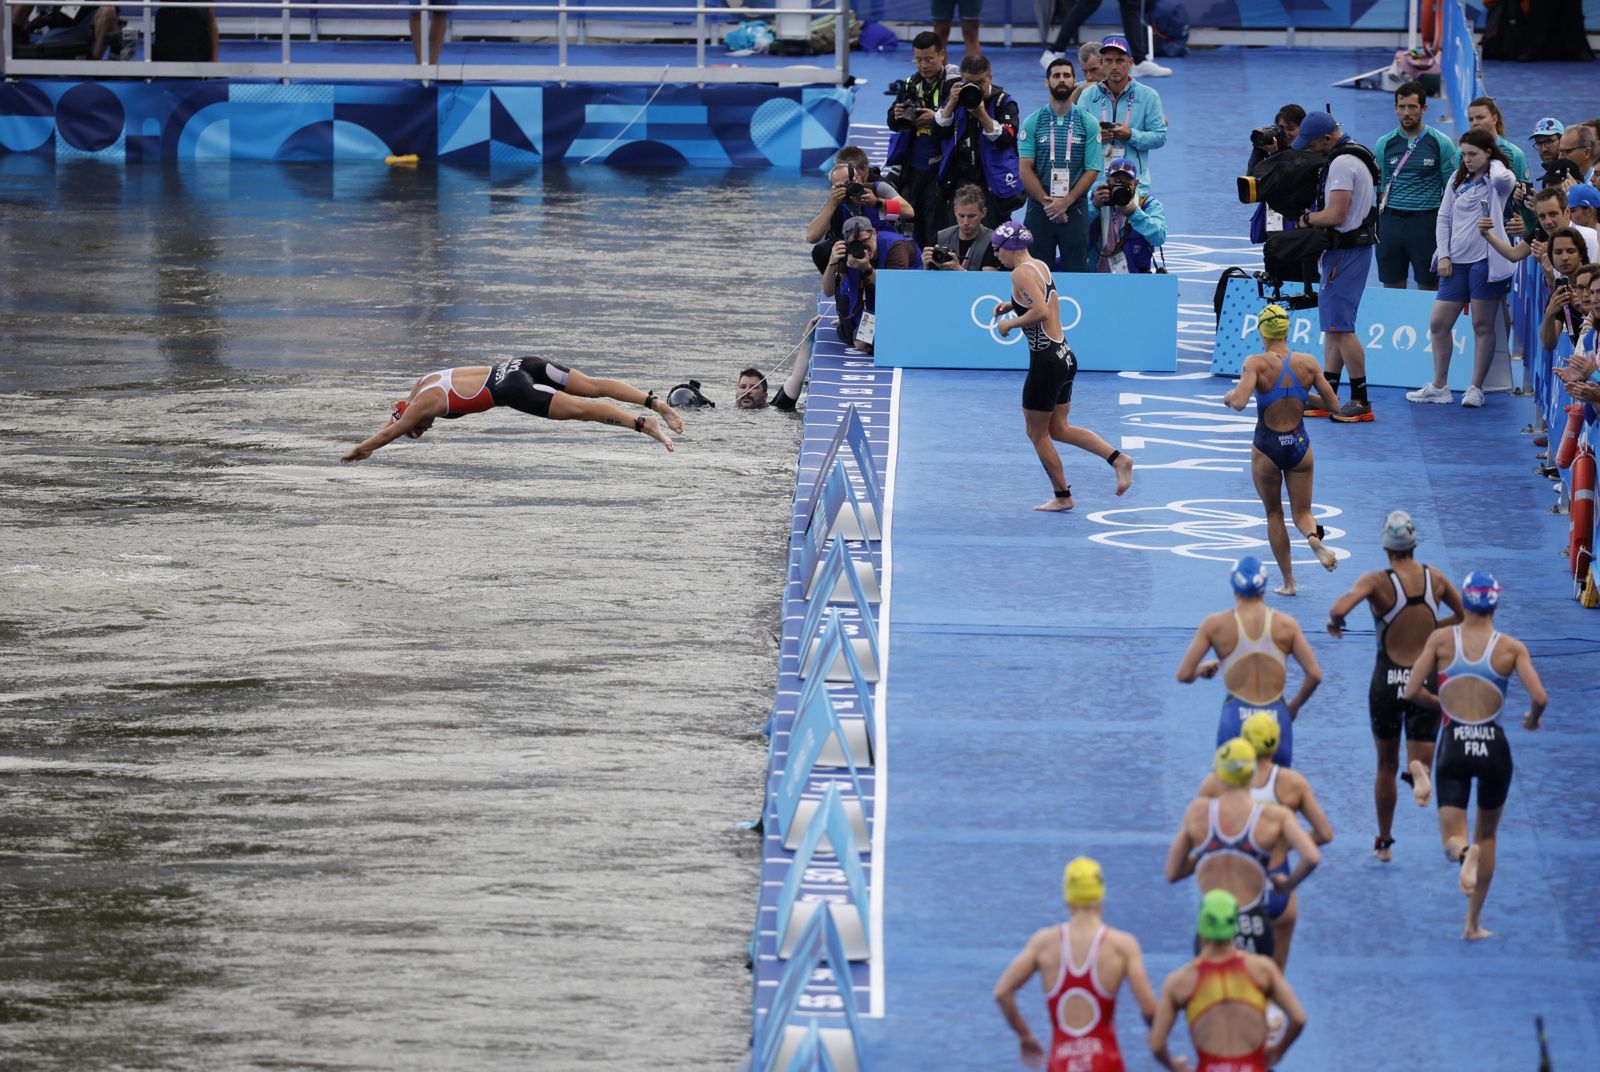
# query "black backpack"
(1288, 180)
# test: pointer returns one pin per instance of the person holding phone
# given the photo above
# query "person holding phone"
(1471, 271)
(1132, 122)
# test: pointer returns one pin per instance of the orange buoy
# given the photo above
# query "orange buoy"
(1580, 545)
(1569, 438)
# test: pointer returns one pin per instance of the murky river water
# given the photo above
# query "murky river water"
(428, 762)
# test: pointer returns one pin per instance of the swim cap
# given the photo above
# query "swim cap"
(400, 411)
(1219, 916)
(1273, 323)
(1236, 762)
(1262, 731)
(1399, 531)
(1480, 592)
(1249, 576)
(1083, 883)
(1011, 235)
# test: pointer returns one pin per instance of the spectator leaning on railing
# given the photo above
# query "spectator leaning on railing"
(1550, 205)
(852, 272)
(1125, 226)
(1566, 309)
(1132, 121)
(1414, 161)
(983, 119)
(1059, 151)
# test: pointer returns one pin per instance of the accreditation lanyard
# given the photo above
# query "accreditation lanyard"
(1383, 202)
(1060, 181)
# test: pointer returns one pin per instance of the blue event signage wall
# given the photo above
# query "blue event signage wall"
(1224, 14)
(1114, 323)
(182, 119)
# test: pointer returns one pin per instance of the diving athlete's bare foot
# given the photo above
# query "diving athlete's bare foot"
(1124, 467)
(652, 428)
(1475, 932)
(1468, 879)
(669, 415)
(1421, 784)
(1329, 560)
(1056, 505)
(1286, 588)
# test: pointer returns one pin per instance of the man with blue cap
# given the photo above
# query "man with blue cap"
(1546, 138)
(1253, 644)
(1349, 215)
(1133, 123)
(1474, 662)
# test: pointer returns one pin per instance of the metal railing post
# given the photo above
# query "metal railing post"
(149, 35)
(285, 32)
(424, 45)
(561, 35)
(5, 35)
(841, 40)
(700, 35)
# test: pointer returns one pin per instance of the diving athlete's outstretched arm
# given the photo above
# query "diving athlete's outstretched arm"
(420, 412)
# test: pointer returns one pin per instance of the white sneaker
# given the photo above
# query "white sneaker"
(1047, 58)
(1472, 398)
(1429, 393)
(1150, 69)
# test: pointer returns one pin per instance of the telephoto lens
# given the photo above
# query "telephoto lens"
(853, 191)
(1121, 195)
(970, 96)
(856, 248)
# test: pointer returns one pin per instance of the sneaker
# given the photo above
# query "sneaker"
(1315, 412)
(1149, 69)
(1472, 398)
(1047, 58)
(1352, 412)
(1429, 393)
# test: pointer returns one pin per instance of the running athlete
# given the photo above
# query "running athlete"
(1282, 382)
(1253, 643)
(1474, 662)
(1047, 392)
(1088, 962)
(1240, 862)
(526, 384)
(1273, 784)
(1405, 600)
(1224, 993)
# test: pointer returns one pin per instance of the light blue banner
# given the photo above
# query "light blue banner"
(1458, 61)
(1114, 323)
(1392, 326)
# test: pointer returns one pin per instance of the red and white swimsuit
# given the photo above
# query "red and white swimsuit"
(1092, 1048)
(455, 404)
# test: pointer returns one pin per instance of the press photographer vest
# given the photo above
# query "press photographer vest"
(1367, 233)
(932, 139)
(1001, 167)
(851, 297)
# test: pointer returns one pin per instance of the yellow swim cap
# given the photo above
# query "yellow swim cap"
(1083, 883)
(1273, 323)
(1236, 762)
(1262, 731)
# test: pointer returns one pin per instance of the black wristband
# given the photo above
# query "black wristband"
(638, 424)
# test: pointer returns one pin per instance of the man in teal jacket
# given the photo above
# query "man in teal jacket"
(1132, 121)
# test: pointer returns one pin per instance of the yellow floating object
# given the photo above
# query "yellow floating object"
(408, 160)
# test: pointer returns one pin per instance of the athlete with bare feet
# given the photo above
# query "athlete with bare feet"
(529, 385)
(1282, 382)
(1273, 784)
(1474, 663)
(1240, 862)
(1253, 644)
(1047, 392)
(1082, 964)
(1224, 993)
(1405, 601)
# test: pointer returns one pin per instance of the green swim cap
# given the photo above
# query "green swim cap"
(1219, 917)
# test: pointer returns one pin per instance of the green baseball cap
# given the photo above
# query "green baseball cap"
(1219, 917)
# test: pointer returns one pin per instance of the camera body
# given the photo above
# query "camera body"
(853, 191)
(903, 94)
(855, 248)
(970, 95)
(943, 255)
(1120, 195)
(1268, 138)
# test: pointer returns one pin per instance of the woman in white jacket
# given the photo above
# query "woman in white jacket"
(1470, 270)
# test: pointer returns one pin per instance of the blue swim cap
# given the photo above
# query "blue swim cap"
(1249, 576)
(1480, 592)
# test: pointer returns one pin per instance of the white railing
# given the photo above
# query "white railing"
(530, 18)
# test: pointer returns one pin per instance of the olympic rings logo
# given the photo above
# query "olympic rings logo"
(1217, 530)
(989, 301)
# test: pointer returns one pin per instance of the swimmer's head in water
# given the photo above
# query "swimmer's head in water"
(1262, 731)
(1012, 237)
(1083, 883)
(1480, 592)
(1218, 920)
(1273, 323)
(1249, 577)
(1399, 531)
(414, 432)
(751, 393)
(1235, 763)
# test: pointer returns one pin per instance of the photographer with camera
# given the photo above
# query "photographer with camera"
(917, 143)
(855, 189)
(966, 246)
(1132, 121)
(1416, 162)
(1348, 225)
(1126, 227)
(1264, 141)
(852, 273)
(1058, 147)
(983, 147)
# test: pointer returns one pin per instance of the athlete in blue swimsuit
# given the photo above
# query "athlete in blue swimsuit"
(1282, 381)
(1475, 663)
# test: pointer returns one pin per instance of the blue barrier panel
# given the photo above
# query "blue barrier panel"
(818, 955)
(834, 635)
(811, 1055)
(1392, 326)
(1458, 61)
(836, 493)
(1114, 323)
(815, 725)
(853, 434)
(863, 636)
(849, 909)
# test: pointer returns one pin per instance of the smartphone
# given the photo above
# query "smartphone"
(1487, 209)
(1107, 126)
